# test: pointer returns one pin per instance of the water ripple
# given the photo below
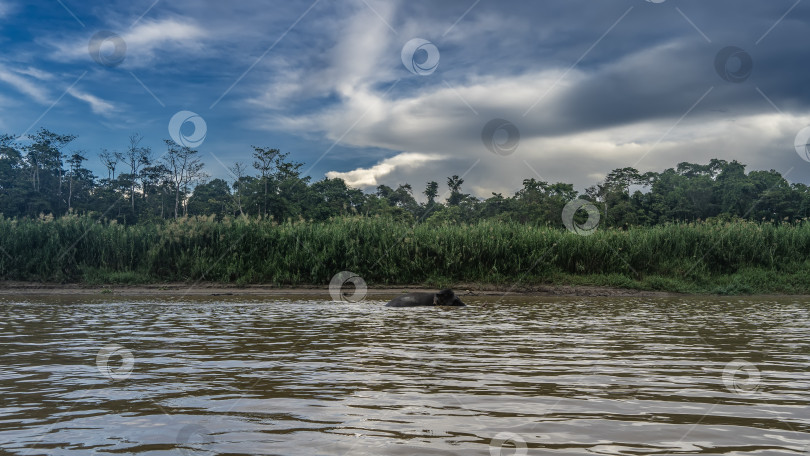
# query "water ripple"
(612, 376)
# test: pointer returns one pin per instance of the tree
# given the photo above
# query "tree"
(80, 179)
(110, 161)
(401, 197)
(265, 159)
(45, 155)
(539, 202)
(136, 157)
(157, 190)
(13, 184)
(454, 183)
(288, 188)
(210, 198)
(239, 171)
(331, 198)
(432, 192)
(614, 191)
(184, 167)
(34, 180)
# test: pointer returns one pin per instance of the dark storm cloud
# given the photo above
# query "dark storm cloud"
(654, 63)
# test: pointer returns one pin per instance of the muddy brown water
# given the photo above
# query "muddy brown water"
(302, 375)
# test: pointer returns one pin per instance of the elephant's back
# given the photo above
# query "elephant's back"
(412, 300)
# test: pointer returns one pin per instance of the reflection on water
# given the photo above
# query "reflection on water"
(522, 376)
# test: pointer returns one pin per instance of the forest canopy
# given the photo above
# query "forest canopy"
(141, 185)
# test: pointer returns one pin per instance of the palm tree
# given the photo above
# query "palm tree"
(455, 190)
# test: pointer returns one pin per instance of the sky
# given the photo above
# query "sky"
(388, 92)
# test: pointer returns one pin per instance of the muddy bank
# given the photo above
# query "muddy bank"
(214, 289)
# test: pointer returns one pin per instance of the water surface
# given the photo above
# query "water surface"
(248, 375)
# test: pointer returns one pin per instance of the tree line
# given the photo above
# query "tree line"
(39, 178)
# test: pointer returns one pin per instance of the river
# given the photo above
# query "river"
(305, 376)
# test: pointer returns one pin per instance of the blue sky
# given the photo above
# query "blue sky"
(589, 85)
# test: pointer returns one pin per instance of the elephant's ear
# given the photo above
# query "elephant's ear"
(435, 300)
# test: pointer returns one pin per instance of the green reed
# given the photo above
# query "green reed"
(715, 257)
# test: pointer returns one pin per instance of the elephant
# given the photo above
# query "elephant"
(442, 298)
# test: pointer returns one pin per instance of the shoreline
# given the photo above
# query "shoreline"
(173, 289)
(8, 288)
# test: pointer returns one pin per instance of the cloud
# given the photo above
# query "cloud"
(144, 42)
(353, 62)
(371, 177)
(763, 141)
(98, 105)
(336, 77)
(25, 86)
(586, 120)
(39, 94)
(35, 73)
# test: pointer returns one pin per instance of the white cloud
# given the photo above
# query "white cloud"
(35, 73)
(438, 119)
(148, 35)
(98, 105)
(15, 78)
(358, 59)
(25, 86)
(144, 41)
(371, 177)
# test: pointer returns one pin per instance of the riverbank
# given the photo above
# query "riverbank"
(724, 258)
(215, 289)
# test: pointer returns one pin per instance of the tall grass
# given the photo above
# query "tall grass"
(738, 257)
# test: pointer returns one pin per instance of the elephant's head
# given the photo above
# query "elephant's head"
(447, 298)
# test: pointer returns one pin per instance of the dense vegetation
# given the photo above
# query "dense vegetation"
(694, 228)
(39, 178)
(723, 257)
